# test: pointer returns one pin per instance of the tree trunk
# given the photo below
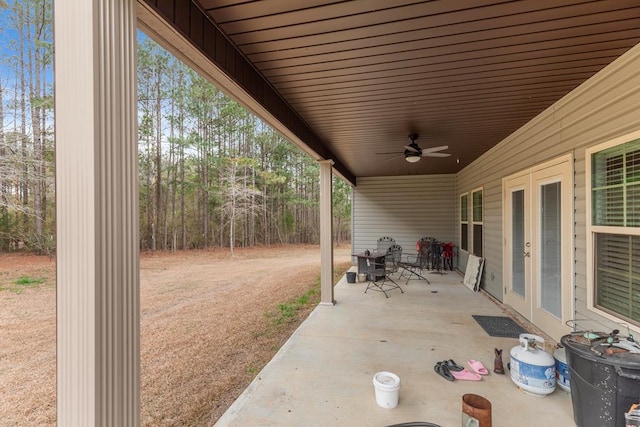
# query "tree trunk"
(4, 180)
(23, 123)
(183, 221)
(171, 177)
(205, 188)
(158, 154)
(33, 66)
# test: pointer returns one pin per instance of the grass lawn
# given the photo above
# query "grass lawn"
(209, 323)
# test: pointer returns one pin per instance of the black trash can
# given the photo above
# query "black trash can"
(351, 277)
(603, 387)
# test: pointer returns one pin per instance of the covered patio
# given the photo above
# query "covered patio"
(522, 93)
(323, 375)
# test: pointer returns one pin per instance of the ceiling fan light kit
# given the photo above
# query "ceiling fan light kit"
(412, 157)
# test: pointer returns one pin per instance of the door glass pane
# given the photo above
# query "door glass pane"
(517, 242)
(550, 249)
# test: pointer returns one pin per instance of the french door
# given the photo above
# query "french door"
(538, 224)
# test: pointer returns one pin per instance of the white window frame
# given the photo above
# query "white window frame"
(464, 221)
(474, 223)
(593, 229)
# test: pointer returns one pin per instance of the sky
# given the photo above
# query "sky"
(10, 73)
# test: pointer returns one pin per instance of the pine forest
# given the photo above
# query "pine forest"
(211, 174)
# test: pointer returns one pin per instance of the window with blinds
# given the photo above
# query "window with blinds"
(615, 217)
(476, 209)
(464, 222)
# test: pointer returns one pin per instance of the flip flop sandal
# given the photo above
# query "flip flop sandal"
(466, 375)
(441, 369)
(453, 366)
(478, 367)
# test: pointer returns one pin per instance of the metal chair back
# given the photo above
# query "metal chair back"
(384, 243)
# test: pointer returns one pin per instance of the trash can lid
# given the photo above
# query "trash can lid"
(595, 351)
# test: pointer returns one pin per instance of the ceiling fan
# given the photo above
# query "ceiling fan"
(413, 153)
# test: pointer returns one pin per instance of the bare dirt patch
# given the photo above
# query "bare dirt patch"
(209, 323)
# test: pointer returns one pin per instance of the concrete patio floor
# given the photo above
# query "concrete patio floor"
(323, 375)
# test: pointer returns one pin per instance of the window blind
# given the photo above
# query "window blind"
(615, 190)
(618, 274)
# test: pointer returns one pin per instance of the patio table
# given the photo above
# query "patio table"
(367, 263)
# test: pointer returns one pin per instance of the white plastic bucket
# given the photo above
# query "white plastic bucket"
(387, 386)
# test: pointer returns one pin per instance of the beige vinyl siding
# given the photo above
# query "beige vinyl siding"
(605, 107)
(405, 208)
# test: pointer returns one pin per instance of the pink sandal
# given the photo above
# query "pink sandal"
(478, 367)
(466, 375)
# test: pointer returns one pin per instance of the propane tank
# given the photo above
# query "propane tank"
(533, 369)
(562, 370)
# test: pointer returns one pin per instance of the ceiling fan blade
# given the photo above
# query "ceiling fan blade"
(435, 154)
(413, 148)
(394, 157)
(432, 149)
(390, 152)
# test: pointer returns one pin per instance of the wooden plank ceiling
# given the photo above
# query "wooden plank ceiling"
(364, 74)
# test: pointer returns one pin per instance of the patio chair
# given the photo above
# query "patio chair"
(379, 273)
(384, 243)
(394, 253)
(447, 255)
(414, 266)
(435, 256)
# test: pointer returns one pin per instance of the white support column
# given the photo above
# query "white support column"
(326, 234)
(98, 325)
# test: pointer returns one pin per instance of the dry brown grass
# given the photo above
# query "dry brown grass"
(209, 323)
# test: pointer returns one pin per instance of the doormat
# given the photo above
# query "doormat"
(499, 326)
